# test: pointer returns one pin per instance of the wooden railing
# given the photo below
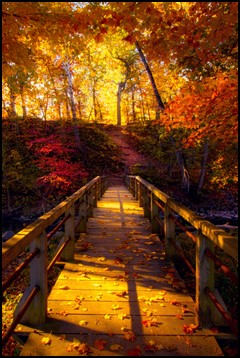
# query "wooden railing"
(75, 210)
(163, 212)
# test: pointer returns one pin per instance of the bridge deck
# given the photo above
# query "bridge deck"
(119, 297)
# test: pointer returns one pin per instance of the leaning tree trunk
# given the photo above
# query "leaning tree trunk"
(157, 95)
(66, 67)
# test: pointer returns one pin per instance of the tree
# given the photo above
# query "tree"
(158, 98)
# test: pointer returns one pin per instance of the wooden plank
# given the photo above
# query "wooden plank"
(87, 306)
(62, 345)
(97, 324)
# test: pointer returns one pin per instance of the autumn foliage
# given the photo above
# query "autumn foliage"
(79, 62)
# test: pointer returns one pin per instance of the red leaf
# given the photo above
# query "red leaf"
(100, 344)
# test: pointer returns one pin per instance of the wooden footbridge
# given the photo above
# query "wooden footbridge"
(118, 293)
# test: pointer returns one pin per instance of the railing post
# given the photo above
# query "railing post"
(98, 192)
(95, 195)
(140, 193)
(68, 252)
(169, 233)
(146, 204)
(154, 214)
(82, 216)
(204, 278)
(37, 311)
(136, 189)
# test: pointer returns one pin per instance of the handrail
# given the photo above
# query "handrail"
(33, 309)
(225, 241)
(152, 200)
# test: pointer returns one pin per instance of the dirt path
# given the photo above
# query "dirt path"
(129, 155)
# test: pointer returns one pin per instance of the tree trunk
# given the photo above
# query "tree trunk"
(133, 106)
(142, 107)
(66, 67)
(100, 111)
(183, 169)
(67, 104)
(204, 166)
(24, 109)
(148, 110)
(157, 95)
(121, 87)
(79, 109)
(94, 101)
(12, 103)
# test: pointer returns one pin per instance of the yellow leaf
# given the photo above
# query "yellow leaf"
(122, 316)
(102, 258)
(115, 347)
(83, 323)
(46, 340)
(115, 307)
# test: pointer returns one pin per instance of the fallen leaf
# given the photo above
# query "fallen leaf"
(63, 313)
(115, 347)
(116, 307)
(122, 316)
(122, 294)
(102, 258)
(83, 323)
(149, 323)
(84, 349)
(185, 310)
(130, 336)
(190, 329)
(179, 316)
(46, 340)
(107, 316)
(100, 344)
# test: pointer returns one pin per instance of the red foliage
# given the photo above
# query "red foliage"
(55, 160)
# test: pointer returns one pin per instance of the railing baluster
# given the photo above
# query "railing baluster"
(140, 195)
(169, 233)
(82, 215)
(68, 252)
(204, 278)
(154, 214)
